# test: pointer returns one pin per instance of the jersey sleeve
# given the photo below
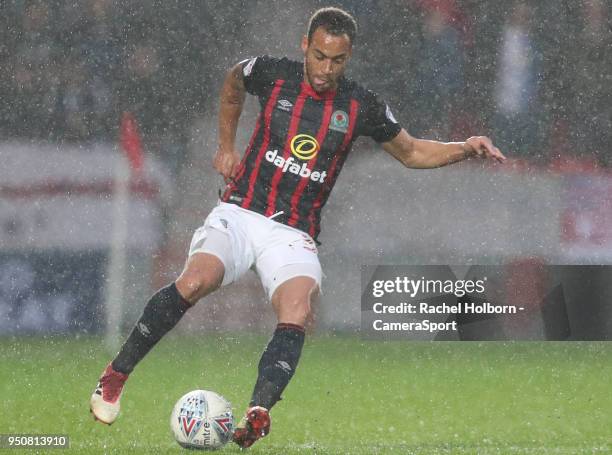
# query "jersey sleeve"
(259, 73)
(378, 122)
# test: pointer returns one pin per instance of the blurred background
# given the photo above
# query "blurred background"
(89, 88)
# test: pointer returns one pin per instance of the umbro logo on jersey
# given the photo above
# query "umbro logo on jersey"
(285, 105)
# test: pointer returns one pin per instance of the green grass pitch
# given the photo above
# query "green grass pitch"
(348, 397)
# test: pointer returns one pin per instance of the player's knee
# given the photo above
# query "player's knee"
(292, 300)
(294, 309)
(202, 275)
(193, 287)
(301, 306)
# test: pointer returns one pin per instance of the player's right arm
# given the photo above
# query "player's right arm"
(232, 96)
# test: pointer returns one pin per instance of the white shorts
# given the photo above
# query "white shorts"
(242, 239)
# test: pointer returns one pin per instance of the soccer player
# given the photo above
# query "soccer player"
(269, 216)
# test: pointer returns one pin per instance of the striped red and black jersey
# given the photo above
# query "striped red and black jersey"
(301, 140)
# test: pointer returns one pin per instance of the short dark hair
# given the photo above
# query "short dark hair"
(335, 21)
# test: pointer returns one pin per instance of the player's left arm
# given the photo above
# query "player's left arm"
(426, 154)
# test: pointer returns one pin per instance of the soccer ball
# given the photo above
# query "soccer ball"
(202, 419)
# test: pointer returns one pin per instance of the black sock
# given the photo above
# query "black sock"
(277, 364)
(159, 316)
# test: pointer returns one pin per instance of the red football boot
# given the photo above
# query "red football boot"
(104, 403)
(254, 425)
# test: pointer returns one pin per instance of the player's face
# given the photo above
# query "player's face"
(325, 59)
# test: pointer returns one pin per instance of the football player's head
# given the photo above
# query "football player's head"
(327, 47)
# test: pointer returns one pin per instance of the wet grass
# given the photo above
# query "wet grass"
(349, 396)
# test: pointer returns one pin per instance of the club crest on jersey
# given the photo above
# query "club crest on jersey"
(339, 121)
